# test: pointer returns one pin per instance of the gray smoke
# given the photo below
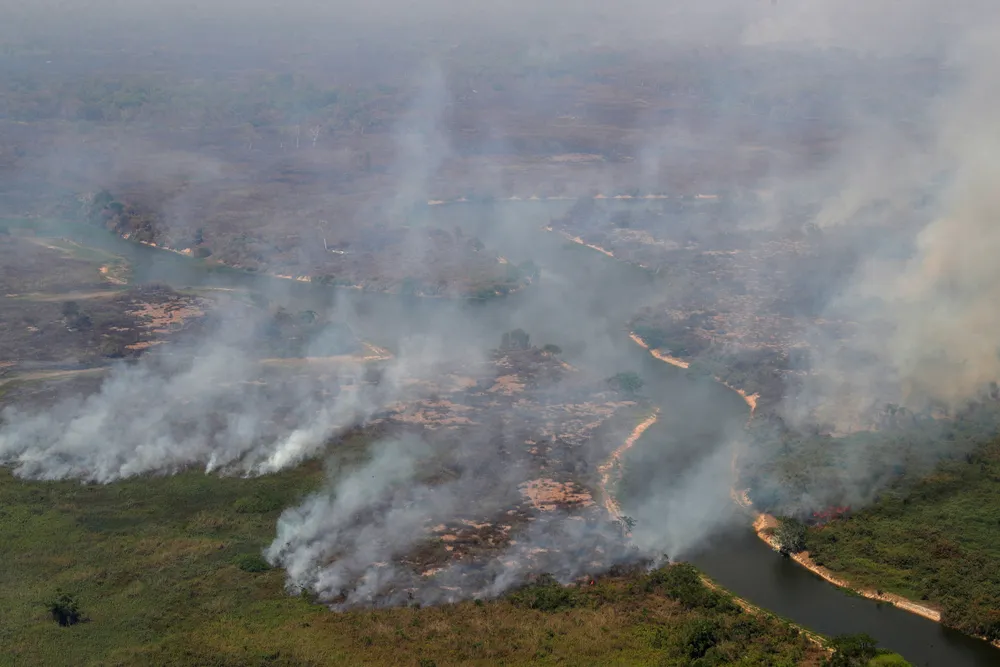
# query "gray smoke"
(918, 196)
(214, 407)
(921, 300)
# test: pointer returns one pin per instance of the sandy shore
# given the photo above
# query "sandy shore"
(659, 355)
(765, 523)
(608, 469)
(749, 399)
(580, 241)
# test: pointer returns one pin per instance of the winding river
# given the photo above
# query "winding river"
(581, 303)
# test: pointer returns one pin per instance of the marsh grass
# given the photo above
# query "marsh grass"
(933, 539)
(167, 571)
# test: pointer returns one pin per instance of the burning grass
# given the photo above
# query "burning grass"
(156, 566)
(527, 432)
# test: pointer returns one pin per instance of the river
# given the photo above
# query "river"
(581, 304)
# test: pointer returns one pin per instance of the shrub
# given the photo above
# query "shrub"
(113, 348)
(627, 382)
(852, 651)
(791, 536)
(682, 582)
(252, 563)
(258, 503)
(65, 608)
(701, 636)
(546, 594)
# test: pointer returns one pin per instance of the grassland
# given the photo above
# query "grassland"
(167, 572)
(935, 539)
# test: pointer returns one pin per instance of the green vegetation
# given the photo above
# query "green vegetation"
(65, 609)
(252, 563)
(168, 571)
(861, 651)
(626, 382)
(705, 627)
(795, 473)
(791, 536)
(935, 539)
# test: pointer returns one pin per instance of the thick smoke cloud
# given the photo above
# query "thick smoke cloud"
(344, 543)
(171, 412)
(921, 300)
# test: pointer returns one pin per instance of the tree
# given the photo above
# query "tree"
(627, 382)
(530, 269)
(627, 523)
(517, 339)
(791, 536)
(549, 348)
(81, 322)
(70, 309)
(113, 348)
(701, 637)
(65, 608)
(852, 651)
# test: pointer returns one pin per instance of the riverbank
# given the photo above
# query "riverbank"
(673, 361)
(765, 525)
(580, 241)
(749, 399)
(187, 252)
(752, 609)
(613, 465)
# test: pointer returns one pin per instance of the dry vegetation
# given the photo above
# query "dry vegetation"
(543, 421)
(58, 310)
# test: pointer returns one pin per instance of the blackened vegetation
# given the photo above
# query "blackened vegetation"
(626, 382)
(88, 332)
(517, 339)
(548, 427)
(126, 220)
(287, 334)
(378, 256)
